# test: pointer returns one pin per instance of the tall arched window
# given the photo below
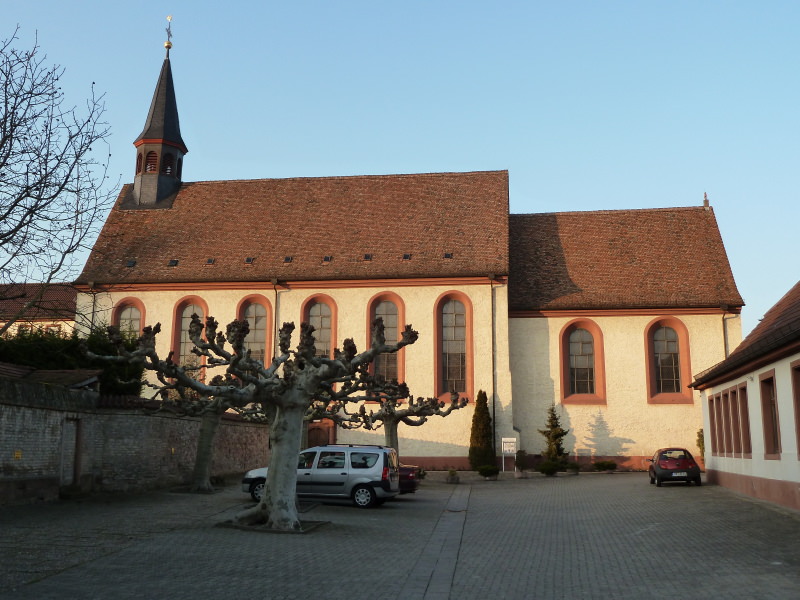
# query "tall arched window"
(151, 162)
(168, 164)
(385, 365)
(453, 345)
(582, 363)
(668, 363)
(256, 341)
(319, 315)
(139, 163)
(182, 343)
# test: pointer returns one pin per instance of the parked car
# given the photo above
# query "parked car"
(673, 464)
(409, 478)
(368, 475)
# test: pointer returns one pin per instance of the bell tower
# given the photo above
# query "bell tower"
(160, 148)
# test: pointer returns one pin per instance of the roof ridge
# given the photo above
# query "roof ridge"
(612, 211)
(329, 177)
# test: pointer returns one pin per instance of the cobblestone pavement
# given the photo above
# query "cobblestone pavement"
(591, 536)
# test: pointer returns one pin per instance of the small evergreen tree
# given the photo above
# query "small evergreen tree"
(481, 448)
(554, 435)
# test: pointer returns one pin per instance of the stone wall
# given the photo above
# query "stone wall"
(53, 441)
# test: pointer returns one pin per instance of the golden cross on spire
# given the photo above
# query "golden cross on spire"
(168, 43)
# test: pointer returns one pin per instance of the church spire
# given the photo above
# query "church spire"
(160, 147)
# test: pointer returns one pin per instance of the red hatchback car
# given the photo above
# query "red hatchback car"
(673, 464)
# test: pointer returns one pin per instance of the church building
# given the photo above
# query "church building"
(604, 314)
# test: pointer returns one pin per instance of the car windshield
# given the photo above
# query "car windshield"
(674, 455)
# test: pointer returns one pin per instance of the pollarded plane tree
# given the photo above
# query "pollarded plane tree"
(283, 391)
(392, 409)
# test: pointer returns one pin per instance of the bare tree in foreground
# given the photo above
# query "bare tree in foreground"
(51, 187)
(284, 391)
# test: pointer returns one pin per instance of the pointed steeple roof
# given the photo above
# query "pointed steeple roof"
(162, 123)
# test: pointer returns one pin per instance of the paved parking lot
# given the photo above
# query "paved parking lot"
(591, 536)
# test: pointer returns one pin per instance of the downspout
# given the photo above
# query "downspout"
(725, 340)
(494, 361)
(275, 341)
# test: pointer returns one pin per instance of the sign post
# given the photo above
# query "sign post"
(509, 446)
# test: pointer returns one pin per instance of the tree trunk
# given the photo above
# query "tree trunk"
(390, 434)
(278, 509)
(205, 452)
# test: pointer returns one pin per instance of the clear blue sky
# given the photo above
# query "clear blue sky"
(589, 105)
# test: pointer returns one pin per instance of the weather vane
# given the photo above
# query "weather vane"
(168, 43)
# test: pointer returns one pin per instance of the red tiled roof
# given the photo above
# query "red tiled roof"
(386, 216)
(779, 329)
(57, 302)
(646, 258)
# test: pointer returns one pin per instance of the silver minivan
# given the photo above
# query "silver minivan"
(368, 475)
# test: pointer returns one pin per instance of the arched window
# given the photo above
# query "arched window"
(668, 364)
(181, 342)
(256, 341)
(139, 163)
(453, 359)
(582, 363)
(130, 320)
(151, 162)
(128, 316)
(319, 314)
(168, 164)
(180, 167)
(385, 365)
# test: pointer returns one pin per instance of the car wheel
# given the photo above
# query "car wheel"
(698, 482)
(658, 482)
(652, 479)
(364, 496)
(257, 489)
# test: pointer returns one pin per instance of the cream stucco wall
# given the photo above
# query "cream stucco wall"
(787, 468)
(627, 425)
(439, 437)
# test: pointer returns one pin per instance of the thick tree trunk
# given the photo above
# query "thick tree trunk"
(205, 452)
(278, 509)
(390, 434)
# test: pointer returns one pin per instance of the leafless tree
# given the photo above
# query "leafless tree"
(52, 188)
(284, 391)
(393, 410)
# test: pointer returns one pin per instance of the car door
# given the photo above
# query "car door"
(330, 474)
(305, 464)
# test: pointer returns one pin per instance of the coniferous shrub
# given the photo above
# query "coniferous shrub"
(481, 447)
(554, 434)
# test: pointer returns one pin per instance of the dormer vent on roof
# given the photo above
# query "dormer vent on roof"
(287, 259)
(368, 257)
(406, 256)
(448, 255)
(211, 261)
(130, 263)
(327, 258)
(173, 262)
(249, 260)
